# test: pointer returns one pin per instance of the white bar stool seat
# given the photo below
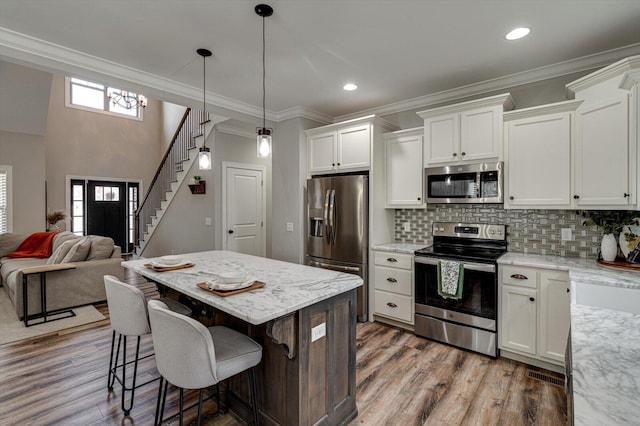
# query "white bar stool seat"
(192, 356)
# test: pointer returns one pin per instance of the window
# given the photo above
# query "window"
(77, 207)
(97, 97)
(6, 224)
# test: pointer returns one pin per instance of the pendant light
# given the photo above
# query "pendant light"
(264, 134)
(204, 155)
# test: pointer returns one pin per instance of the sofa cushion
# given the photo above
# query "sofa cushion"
(101, 247)
(61, 251)
(9, 242)
(79, 251)
(63, 236)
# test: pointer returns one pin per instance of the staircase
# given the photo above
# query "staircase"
(171, 173)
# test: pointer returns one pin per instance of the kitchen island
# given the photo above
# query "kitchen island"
(303, 317)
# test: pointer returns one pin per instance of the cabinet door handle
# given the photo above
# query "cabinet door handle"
(519, 277)
(512, 198)
(463, 153)
(575, 197)
(392, 259)
(419, 198)
(392, 280)
(626, 195)
(531, 299)
(392, 305)
(455, 154)
(568, 290)
(333, 164)
(338, 164)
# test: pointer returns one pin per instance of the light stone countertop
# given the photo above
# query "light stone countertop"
(396, 247)
(605, 350)
(289, 286)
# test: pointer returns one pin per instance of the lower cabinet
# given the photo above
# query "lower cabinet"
(393, 287)
(534, 314)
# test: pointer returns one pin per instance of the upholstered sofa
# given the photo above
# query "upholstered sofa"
(93, 256)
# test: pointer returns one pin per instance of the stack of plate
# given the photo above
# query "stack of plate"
(169, 261)
(230, 281)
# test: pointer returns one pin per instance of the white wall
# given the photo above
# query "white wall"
(85, 143)
(26, 154)
(289, 180)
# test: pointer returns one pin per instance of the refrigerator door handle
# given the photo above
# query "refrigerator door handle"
(325, 213)
(333, 213)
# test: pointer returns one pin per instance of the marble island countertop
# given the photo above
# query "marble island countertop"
(289, 286)
(605, 337)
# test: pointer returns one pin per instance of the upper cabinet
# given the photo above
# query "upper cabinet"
(605, 158)
(342, 147)
(537, 151)
(403, 169)
(466, 132)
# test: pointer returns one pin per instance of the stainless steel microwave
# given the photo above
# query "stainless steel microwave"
(468, 183)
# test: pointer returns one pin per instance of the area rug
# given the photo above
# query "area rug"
(13, 330)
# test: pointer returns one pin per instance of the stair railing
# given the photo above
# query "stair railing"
(190, 127)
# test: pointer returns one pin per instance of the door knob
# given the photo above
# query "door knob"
(575, 197)
(455, 154)
(230, 231)
(532, 299)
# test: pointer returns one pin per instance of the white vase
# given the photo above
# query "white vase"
(609, 247)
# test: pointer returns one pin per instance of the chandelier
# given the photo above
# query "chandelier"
(127, 100)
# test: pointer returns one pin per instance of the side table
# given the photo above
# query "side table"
(43, 270)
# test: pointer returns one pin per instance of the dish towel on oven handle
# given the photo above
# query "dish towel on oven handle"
(450, 279)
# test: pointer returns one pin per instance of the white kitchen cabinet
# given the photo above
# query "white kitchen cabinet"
(393, 287)
(602, 157)
(519, 319)
(606, 142)
(537, 155)
(403, 169)
(341, 147)
(466, 132)
(534, 315)
(555, 315)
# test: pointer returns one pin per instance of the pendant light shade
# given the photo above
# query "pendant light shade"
(204, 158)
(264, 135)
(204, 155)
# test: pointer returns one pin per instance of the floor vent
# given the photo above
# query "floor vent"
(558, 381)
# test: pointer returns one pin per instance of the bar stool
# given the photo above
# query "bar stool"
(192, 356)
(129, 317)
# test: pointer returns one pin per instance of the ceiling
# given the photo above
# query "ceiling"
(395, 50)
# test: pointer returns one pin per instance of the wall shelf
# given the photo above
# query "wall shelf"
(198, 188)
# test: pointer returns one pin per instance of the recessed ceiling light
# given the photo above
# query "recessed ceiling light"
(517, 33)
(350, 86)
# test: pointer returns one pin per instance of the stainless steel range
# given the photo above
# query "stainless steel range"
(469, 319)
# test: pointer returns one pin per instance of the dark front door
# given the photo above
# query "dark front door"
(107, 210)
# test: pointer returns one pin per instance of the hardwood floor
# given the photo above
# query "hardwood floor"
(60, 379)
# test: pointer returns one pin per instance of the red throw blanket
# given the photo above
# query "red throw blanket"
(35, 245)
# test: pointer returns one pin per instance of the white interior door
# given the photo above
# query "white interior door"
(243, 209)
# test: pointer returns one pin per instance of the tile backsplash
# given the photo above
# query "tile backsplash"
(529, 231)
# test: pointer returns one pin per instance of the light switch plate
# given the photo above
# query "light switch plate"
(406, 227)
(289, 226)
(207, 221)
(318, 331)
(566, 234)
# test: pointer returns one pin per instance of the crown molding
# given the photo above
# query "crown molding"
(303, 112)
(236, 131)
(537, 111)
(30, 51)
(604, 74)
(51, 57)
(530, 76)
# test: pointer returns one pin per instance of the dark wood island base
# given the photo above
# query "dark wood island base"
(300, 381)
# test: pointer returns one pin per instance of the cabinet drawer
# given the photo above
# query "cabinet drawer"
(394, 306)
(393, 280)
(394, 260)
(519, 276)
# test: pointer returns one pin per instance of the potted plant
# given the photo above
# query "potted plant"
(54, 218)
(611, 222)
(197, 178)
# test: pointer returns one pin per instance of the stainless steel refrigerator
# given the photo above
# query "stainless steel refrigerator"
(337, 228)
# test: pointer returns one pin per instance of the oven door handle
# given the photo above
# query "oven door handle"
(482, 267)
